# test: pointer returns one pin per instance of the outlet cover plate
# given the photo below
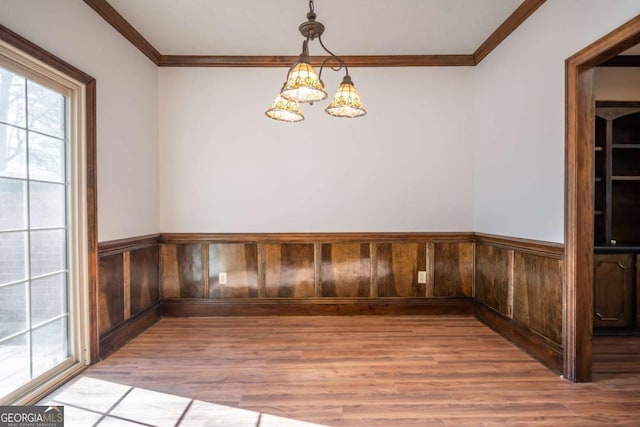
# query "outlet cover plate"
(422, 277)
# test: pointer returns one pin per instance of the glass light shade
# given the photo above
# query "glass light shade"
(346, 102)
(303, 84)
(284, 110)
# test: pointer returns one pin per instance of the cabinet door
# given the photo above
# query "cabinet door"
(613, 293)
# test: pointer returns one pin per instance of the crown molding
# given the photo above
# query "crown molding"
(506, 28)
(286, 61)
(117, 21)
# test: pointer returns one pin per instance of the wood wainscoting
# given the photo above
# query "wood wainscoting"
(128, 290)
(317, 273)
(513, 285)
(519, 286)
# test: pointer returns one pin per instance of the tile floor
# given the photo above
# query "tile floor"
(92, 402)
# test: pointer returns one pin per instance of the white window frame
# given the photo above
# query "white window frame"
(33, 69)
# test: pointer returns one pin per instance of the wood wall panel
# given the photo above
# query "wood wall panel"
(493, 277)
(181, 271)
(110, 291)
(453, 270)
(345, 270)
(129, 294)
(240, 262)
(290, 270)
(397, 269)
(126, 267)
(144, 284)
(537, 294)
(332, 274)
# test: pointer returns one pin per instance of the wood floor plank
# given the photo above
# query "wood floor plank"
(375, 371)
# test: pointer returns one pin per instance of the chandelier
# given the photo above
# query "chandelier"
(303, 85)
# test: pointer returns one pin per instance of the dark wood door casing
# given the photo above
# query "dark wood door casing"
(579, 226)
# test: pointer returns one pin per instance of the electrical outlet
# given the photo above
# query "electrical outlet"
(422, 277)
(222, 278)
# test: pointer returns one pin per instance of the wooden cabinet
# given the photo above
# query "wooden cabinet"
(616, 297)
(617, 173)
(613, 297)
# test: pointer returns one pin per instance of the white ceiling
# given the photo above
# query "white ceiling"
(353, 27)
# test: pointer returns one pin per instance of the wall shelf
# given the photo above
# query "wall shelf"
(625, 178)
(626, 146)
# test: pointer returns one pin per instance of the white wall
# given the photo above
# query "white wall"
(127, 97)
(442, 149)
(407, 166)
(617, 84)
(519, 117)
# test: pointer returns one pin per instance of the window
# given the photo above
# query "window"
(42, 316)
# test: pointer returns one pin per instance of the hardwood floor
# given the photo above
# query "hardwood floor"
(359, 371)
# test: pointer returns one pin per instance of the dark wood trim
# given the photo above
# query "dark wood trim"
(578, 295)
(617, 104)
(577, 300)
(314, 237)
(316, 307)
(622, 38)
(40, 54)
(316, 61)
(622, 61)
(91, 119)
(53, 61)
(535, 247)
(507, 27)
(543, 349)
(114, 338)
(121, 245)
(117, 21)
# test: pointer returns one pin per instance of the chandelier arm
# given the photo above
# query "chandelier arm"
(334, 56)
(334, 68)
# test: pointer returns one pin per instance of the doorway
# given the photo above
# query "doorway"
(579, 190)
